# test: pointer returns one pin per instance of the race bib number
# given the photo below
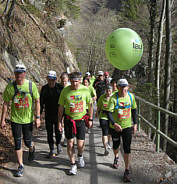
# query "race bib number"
(123, 113)
(21, 102)
(76, 107)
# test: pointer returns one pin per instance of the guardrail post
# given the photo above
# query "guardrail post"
(139, 111)
(157, 134)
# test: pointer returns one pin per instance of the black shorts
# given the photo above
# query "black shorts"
(126, 135)
(104, 124)
(80, 127)
(18, 130)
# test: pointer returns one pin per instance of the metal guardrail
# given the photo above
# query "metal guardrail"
(157, 128)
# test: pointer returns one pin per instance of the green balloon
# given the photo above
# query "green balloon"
(124, 48)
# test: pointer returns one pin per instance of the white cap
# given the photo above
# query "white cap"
(52, 75)
(100, 73)
(122, 82)
(87, 73)
(20, 68)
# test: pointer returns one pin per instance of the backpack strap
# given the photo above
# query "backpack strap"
(30, 89)
(17, 91)
(126, 107)
(130, 98)
(15, 88)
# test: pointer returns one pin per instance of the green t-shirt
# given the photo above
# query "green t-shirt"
(102, 105)
(22, 105)
(114, 92)
(122, 116)
(75, 101)
(92, 80)
(92, 91)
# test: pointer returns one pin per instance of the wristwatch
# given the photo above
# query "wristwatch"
(90, 119)
(37, 117)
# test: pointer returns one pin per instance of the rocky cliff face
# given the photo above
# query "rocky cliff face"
(32, 38)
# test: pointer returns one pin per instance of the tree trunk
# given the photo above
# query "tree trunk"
(159, 48)
(9, 14)
(167, 67)
(153, 9)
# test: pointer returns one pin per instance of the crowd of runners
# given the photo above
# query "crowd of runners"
(68, 108)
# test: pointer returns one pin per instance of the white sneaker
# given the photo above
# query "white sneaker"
(81, 162)
(109, 146)
(73, 170)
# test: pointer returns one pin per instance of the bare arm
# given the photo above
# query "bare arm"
(90, 113)
(3, 115)
(37, 109)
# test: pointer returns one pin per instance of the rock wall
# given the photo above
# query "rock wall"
(32, 38)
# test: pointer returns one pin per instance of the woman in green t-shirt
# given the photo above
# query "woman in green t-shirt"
(86, 82)
(104, 122)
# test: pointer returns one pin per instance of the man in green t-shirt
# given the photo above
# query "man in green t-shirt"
(122, 110)
(21, 94)
(73, 102)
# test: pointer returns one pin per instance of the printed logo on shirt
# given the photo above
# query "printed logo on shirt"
(21, 102)
(105, 105)
(76, 107)
(76, 97)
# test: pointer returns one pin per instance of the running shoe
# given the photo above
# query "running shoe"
(126, 177)
(116, 164)
(106, 152)
(20, 171)
(73, 170)
(51, 154)
(59, 149)
(109, 146)
(81, 162)
(31, 155)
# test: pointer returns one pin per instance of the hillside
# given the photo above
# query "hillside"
(32, 37)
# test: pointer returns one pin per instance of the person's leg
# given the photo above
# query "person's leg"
(81, 130)
(27, 130)
(116, 143)
(70, 145)
(58, 136)
(127, 138)
(16, 132)
(49, 129)
(70, 150)
(104, 127)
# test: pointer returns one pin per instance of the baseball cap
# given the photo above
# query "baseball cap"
(20, 68)
(75, 76)
(100, 73)
(106, 73)
(87, 73)
(52, 75)
(108, 87)
(122, 82)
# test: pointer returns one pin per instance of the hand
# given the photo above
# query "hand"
(60, 128)
(3, 124)
(134, 129)
(37, 123)
(117, 127)
(90, 123)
